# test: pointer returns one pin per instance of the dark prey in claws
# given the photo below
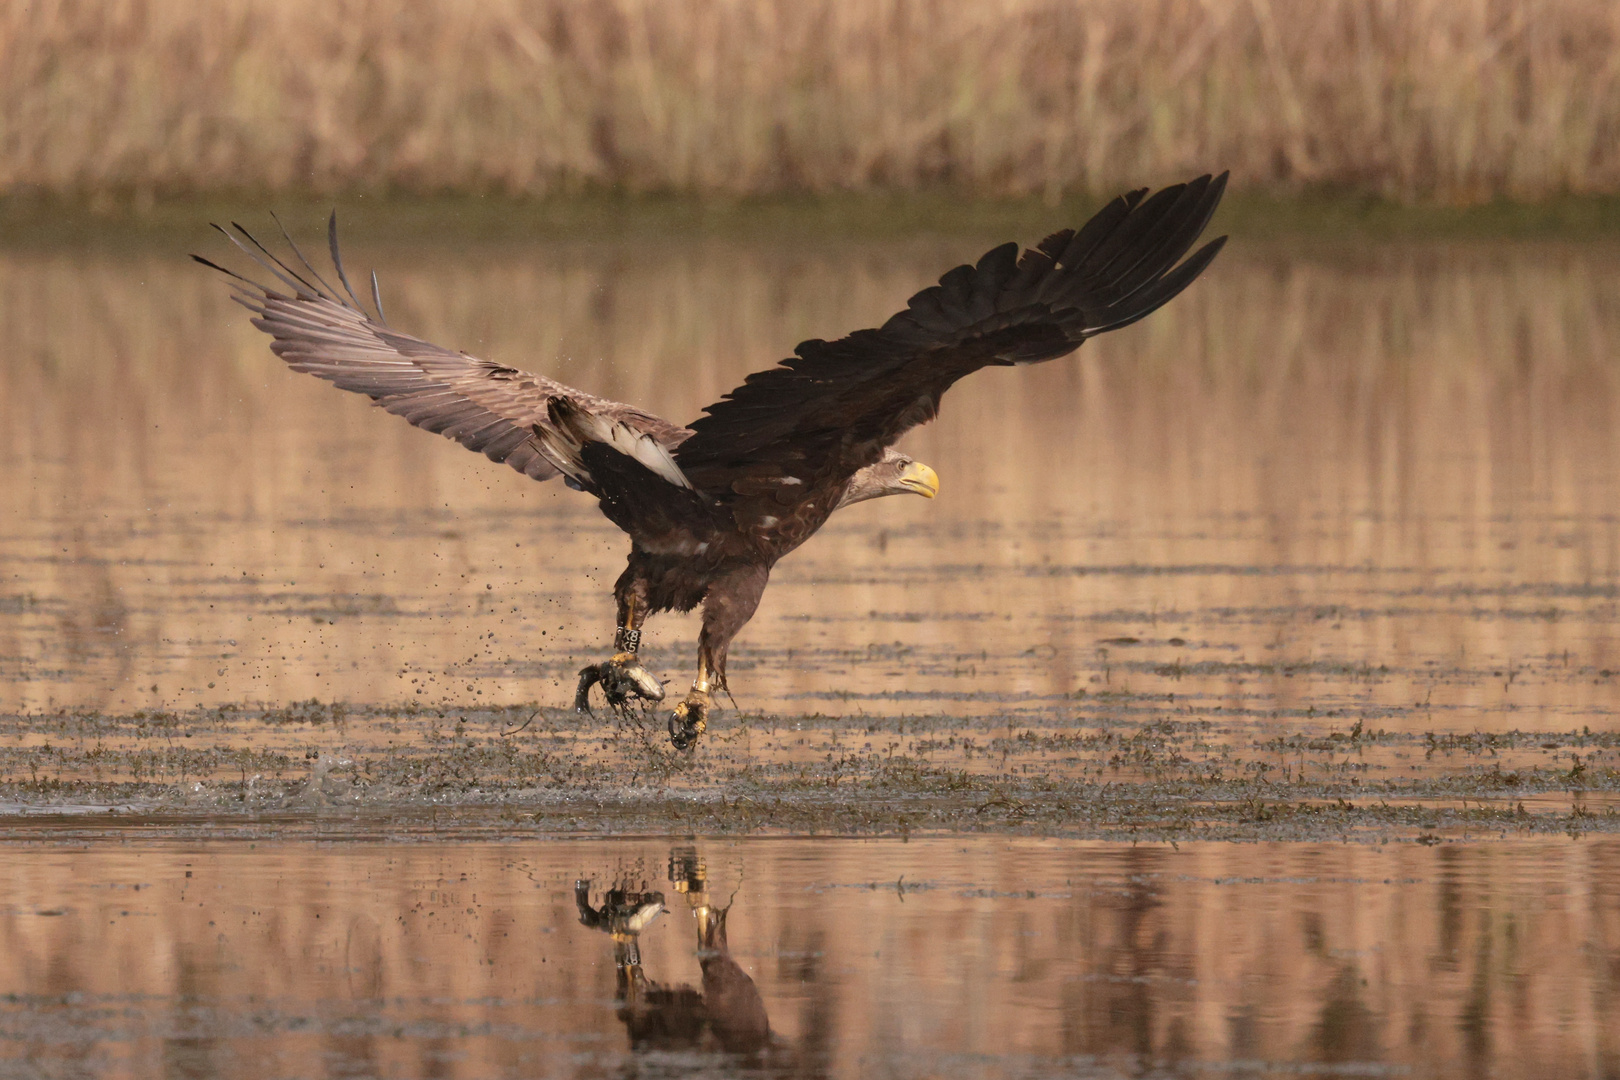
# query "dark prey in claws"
(711, 507)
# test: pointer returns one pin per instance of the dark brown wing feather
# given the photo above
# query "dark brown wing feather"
(484, 406)
(832, 409)
(658, 516)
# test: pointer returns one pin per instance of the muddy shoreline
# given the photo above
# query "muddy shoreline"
(329, 769)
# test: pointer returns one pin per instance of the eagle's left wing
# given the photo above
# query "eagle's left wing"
(818, 417)
(488, 407)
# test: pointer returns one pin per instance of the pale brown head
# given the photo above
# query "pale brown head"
(896, 474)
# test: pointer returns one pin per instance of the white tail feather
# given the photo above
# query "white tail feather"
(561, 444)
(645, 449)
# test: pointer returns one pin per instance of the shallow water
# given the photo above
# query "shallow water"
(1326, 490)
(1329, 480)
(955, 957)
(1325, 551)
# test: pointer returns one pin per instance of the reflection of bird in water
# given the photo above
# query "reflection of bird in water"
(655, 1016)
(728, 1013)
(711, 507)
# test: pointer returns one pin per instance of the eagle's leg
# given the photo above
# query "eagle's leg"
(727, 607)
(621, 675)
(691, 717)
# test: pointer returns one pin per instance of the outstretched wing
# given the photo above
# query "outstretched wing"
(482, 405)
(818, 417)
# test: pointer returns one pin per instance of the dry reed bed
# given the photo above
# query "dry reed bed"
(1456, 100)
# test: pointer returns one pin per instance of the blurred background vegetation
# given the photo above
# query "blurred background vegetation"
(1418, 103)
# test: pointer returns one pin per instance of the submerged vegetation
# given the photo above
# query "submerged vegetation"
(1463, 101)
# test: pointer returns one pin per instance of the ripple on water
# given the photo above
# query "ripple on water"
(972, 957)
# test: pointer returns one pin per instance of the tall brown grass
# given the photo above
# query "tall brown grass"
(1450, 100)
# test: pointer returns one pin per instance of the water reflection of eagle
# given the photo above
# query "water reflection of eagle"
(710, 508)
(727, 1014)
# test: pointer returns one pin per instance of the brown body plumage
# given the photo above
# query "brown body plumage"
(712, 507)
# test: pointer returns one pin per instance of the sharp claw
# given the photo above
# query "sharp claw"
(589, 676)
(689, 720)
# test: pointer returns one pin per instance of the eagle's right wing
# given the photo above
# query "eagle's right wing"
(809, 423)
(482, 405)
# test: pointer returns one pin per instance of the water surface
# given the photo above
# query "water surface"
(1324, 556)
(1326, 479)
(957, 957)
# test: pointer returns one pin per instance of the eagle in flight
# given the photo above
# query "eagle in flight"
(711, 507)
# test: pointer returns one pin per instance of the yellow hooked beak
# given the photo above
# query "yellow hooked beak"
(921, 479)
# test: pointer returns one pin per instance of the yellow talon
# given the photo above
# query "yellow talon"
(689, 720)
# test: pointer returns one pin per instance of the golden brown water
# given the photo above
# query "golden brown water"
(969, 957)
(1319, 479)
(1326, 549)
